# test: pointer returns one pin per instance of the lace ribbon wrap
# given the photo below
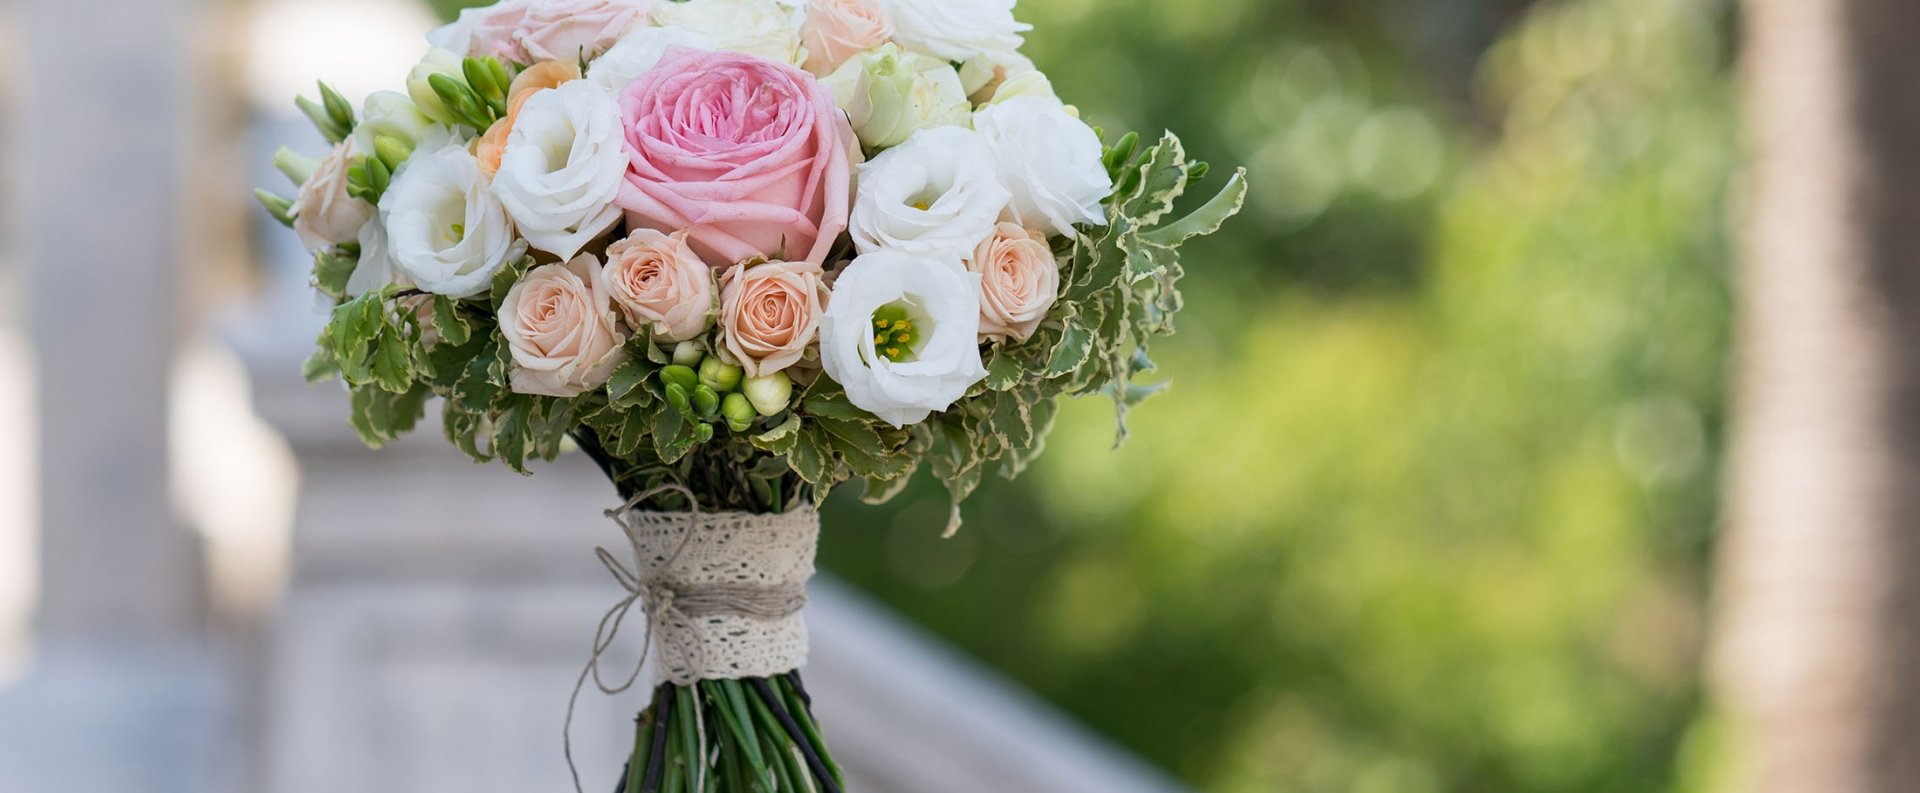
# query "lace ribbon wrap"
(723, 591)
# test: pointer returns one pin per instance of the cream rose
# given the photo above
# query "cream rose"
(323, 214)
(765, 28)
(1019, 280)
(769, 314)
(657, 282)
(560, 329)
(836, 30)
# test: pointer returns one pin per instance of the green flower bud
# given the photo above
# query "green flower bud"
(688, 353)
(738, 411)
(391, 114)
(706, 402)
(702, 433)
(437, 61)
(682, 376)
(297, 168)
(769, 393)
(334, 133)
(338, 108)
(719, 375)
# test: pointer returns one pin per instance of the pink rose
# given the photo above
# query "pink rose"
(840, 29)
(559, 326)
(770, 314)
(656, 281)
(525, 31)
(749, 156)
(1019, 280)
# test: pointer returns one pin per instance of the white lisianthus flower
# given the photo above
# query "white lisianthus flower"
(766, 28)
(888, 94)
(956, 30)
(1025, 84)
(392, 114)
(637, 52)
(563, 167)
(935, 195)
(375, 268)
(1051, 162)
(901, 335)
(445, 230)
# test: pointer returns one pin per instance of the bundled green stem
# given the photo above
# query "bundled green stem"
(756, 735)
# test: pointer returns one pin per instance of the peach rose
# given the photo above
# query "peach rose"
(656, 281)
(836, 30)
(770, 314)
(1019, 280)
(323, 214)
(560, 328)
(539, 77)
(749, 156)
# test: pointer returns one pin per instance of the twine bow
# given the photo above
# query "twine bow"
(656, 598)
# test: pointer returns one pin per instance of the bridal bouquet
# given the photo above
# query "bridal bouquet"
(739, 252)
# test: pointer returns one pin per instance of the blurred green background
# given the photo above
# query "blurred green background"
(1429, 505)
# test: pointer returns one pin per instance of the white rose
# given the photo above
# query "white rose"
(445, 229)
(901, 335)
(1051, 162)
(323, 214)
(935, 195)
(767, 28)
(392, 114)
(956, 30)
(563, 167)
(637, 52)
(888, 94)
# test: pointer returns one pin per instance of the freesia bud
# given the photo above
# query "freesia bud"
(296, 167)
(738, 411)
(391, 151)
(437, 61)
(770, 393)
(391, 114)
(719, 375)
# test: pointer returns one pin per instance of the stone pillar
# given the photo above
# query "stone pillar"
(103, 99)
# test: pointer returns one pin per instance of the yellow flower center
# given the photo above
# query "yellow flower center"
(893, 333)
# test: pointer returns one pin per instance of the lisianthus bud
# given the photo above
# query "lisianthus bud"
(769, 394)
(688, 353)
(738, 411)
(706, 403)
(888, 94)
(437, 61)
(719, 375)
